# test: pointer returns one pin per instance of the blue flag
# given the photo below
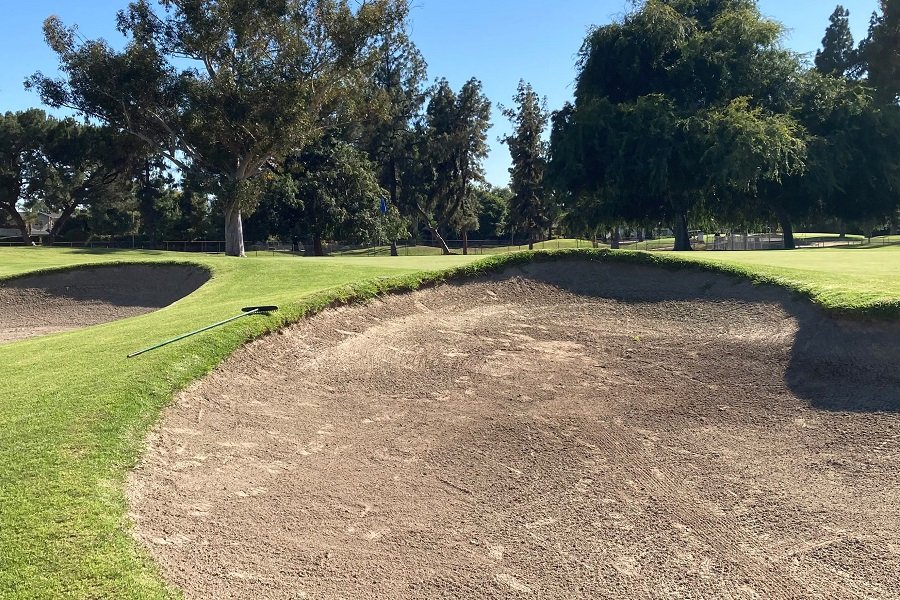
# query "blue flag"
(384, 206)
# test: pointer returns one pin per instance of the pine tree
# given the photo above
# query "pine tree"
(455, 140)
(879, 53)
(527, 207)
(837, 56)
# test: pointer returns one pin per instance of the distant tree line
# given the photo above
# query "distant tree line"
(301, 119)
(313, 120)
(692, 113)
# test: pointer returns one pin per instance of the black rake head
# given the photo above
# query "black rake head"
(259, 309)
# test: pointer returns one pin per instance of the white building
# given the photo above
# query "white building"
(39, 225)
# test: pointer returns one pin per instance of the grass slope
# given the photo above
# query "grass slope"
(74, 411)
(860, 281)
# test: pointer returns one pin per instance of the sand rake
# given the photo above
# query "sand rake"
(247, 311)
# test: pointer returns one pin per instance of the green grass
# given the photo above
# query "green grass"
(848, 280)
(666, 243)
(826, 236)
(74, 412)
(476, 248)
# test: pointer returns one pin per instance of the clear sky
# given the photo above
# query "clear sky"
(497, 41)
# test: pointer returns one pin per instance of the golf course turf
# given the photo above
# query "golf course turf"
(74, 412)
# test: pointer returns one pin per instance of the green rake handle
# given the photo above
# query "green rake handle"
(246, 312)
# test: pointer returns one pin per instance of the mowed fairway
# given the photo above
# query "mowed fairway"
(74, 413)
(844, 279)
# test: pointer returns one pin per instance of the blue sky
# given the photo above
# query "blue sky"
(497, 41)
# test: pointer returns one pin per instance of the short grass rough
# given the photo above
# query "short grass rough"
(74, 411)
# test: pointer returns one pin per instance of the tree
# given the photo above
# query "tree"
(527, 207)
(157, 201)
(59, 166)
(494, 213)
(455, 137)
(680, 104)
(879, 53)
(81, 165)
(227, 87)
(21, 135)
(837, 56)
(328, 190)
(396, 98)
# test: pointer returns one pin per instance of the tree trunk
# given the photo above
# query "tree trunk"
(682, 237)
(594, 242)
(465, 242)
(20, 224)
(614, 239)
(531, 240)
(394, 198)
(234, 229)
(445, 249)
(318, 250)
(60, 222)
(787, 228)
(842, 228)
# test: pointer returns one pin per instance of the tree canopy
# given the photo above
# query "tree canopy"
(677, 106)
(879, 53)
(685, 114)
(838, 54)
(226, 86)
(528, 207)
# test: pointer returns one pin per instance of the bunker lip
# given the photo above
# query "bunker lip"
(53, 302)
(562, 429)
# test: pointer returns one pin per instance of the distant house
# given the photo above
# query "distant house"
(39, 225)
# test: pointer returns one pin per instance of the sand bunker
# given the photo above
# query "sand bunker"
(561, 431)
(55, 302)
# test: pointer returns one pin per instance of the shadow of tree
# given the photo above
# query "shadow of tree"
(835, 363)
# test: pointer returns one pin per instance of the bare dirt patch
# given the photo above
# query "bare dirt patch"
(561, 431)
(55, 302)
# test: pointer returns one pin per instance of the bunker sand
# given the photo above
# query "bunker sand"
(55, 302)
(563, 430)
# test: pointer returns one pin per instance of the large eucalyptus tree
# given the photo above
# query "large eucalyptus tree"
(224, 86)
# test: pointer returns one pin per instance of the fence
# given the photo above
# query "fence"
(422, 248)
(744, 241)
(764, 241)
(204, 246)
